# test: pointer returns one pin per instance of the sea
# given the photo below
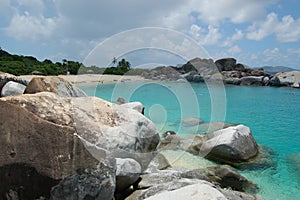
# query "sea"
(272, 114)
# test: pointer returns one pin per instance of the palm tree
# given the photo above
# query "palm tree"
(114, 61)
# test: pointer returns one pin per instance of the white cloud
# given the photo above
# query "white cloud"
(286, 30)
(234, 49)
(237, 11)
(238, 35)
(30, 27)
(34, 7)
(209, 36)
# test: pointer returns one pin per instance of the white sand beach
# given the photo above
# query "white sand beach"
(93, 79)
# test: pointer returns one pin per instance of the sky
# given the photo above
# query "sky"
(255, 32)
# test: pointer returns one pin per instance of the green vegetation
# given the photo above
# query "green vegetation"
(24, 65)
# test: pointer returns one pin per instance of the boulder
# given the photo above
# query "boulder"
(229, 145)
(138, 106)
(286, 79)
(252, 80)
(47, 151)
(5, 78)
(12, 88)
(169, 142)
(128, 172)
(101, 123)
(53, 84)
(193, 121)
(203, 67)
(226, 64)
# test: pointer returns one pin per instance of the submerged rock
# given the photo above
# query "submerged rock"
(12, 88)
(53, 84)
(193, 121)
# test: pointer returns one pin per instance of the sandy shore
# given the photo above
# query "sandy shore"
(93, 79)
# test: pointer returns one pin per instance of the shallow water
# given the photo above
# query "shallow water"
(273, 114)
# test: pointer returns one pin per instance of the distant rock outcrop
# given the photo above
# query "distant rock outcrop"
(291, 79)
(53, 84)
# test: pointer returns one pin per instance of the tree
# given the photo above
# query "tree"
(114, 61)
(123, 64)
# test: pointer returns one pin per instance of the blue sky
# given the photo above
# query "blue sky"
(255, 32)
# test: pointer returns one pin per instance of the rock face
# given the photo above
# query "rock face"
(53, 84)
(12, 88)
(128, 172)
(203, 67)
(89, 184)
(286, 79)
(226, 64)
(101, 123)
(52, 150)
(230, 145)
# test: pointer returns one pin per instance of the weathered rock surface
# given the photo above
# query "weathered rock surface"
(229, 145)
(286, 79)
(203, 67)
(101, 123)
(227, 64)
(12, 88)
(51, 149)
(53, 84)
(128, 172)
(99, 184)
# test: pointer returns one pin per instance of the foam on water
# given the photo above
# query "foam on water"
(273, 115)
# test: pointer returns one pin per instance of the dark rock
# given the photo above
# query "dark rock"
(121, 100)
(233, 81)
(53, 84)
(229, 178)
(167, 133)
(226, 64)
(203, 67)
(88, 184)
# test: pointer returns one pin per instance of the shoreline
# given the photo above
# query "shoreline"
(92, 79)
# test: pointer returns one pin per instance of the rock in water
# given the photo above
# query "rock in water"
(286, 79)
(193, 121)
(53, 84)
(230, 145)
(12, 88)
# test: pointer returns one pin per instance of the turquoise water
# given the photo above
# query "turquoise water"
(273, 114)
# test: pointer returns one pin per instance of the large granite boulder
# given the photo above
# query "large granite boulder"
(12, 88)
(36, 153)
(101, 123)
(53, 84)
(286, 79)
(204, 67)
(229, 145)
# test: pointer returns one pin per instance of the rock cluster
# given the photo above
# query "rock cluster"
(226, 70)
(11, 85)
(78, 147)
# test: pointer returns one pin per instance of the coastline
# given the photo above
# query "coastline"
(92, 79)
